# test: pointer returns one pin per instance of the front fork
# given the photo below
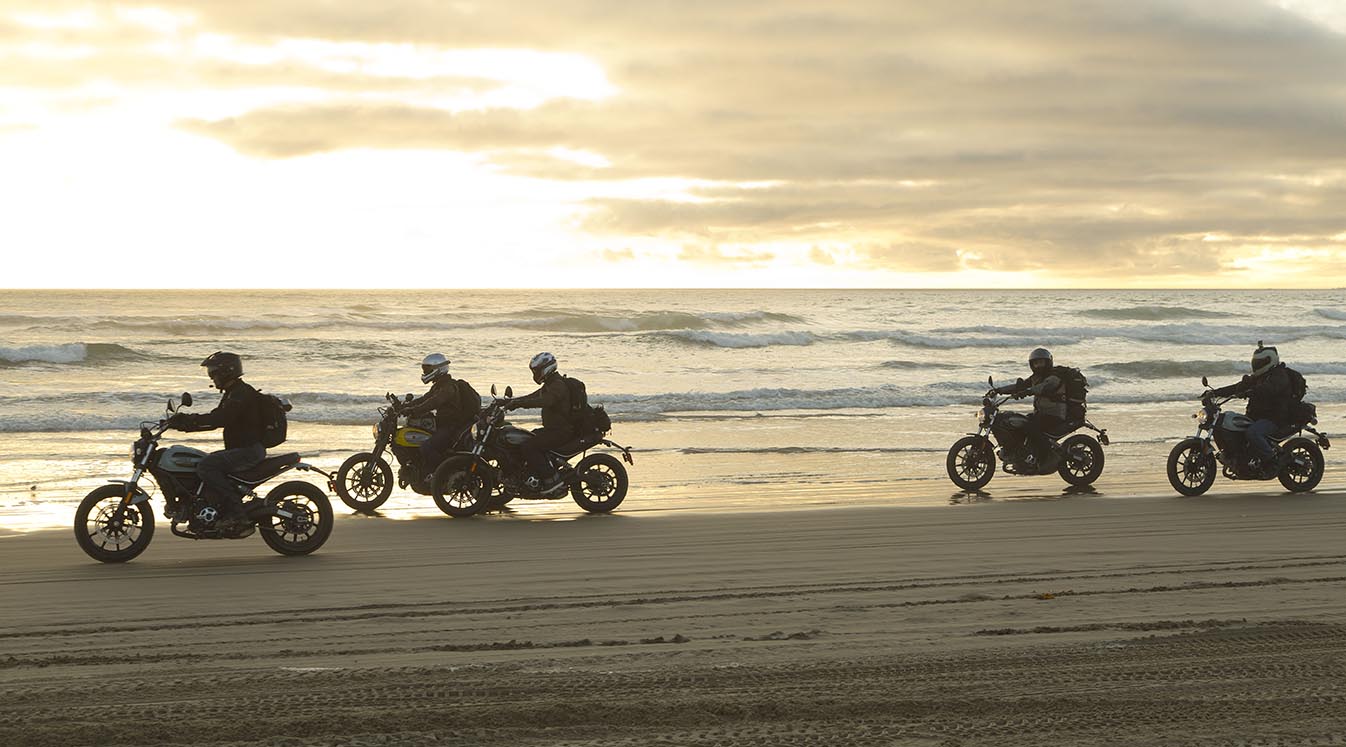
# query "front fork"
(131, 495)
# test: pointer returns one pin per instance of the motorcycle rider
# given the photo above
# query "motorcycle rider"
(1270, 404)
(453, 413)
(1049, 403)
(240, 414)
(553, 397)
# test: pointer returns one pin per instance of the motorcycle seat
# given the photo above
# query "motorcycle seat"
(1065, 429)
(267, 468)
(577, 445)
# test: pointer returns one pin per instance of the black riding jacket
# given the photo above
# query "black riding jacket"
(554, 399)
(445, 401)
(239, 414)
(1270, 396)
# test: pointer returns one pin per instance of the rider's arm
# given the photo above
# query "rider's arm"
(1021, 385)
(437, 397)
(231, 409)
(1049, 384)
(550, 393)
(1236, 388)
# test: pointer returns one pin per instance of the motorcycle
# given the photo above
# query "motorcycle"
(365, 480)
(1192, 462)
(115, 523)
(972, 460)
(493, 471)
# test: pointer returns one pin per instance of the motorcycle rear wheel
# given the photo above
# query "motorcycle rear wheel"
(308, 529)
(462, 487)
(971, 463)
(600, 483)
(1304, 468)
(364, 482)
(99, 539)
(1084, 460)
(1191, 471)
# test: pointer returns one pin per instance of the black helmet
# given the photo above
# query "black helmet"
(1040, 354)
(223, 368)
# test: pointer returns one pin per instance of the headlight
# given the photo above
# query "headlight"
(376, 430)
(133, 452)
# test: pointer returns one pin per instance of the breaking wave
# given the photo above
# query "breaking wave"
(741, 339)
(68, 353)
(1334, 314)
(1185, 334)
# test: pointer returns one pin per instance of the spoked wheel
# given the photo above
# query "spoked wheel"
(308, 526)
(1303, 469)
(1084, 460)
(364, 482)
(104, 537)
(462, 486)
(600, 483)
(1191, 470)
(971, 463)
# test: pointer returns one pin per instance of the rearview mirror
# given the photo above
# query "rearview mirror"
(493, 390)
(171, 408)
(410, 396)
(509, 392)
(186, 399)
(1204, 382)
(990, 380)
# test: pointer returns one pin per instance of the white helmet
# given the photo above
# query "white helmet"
(543, 365)
(434, 366)
(1264, 359)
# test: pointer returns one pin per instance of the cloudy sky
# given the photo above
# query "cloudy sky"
(441, 143)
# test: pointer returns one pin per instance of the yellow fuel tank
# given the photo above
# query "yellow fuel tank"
(412, 437)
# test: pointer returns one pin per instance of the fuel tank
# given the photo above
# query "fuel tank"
(1233, 421)
(411, 437)
(514, 436)
(178, 458)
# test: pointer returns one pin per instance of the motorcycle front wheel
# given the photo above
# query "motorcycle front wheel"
(600, 483)
(1191, 470)
(462, 486)
(309, 526)
(971, 463)
(364, 482)
(1304, 466)
(105, 539)
(1084, 460)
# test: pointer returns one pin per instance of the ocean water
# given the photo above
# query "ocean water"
(731, 398)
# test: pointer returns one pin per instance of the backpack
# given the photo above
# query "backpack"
(581, 413)
(1077, 390)
(469, 400)
(271, 411)
(1298, 386)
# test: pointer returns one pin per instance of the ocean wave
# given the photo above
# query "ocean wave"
(1153, 313)
(366, 317)
(1185, 334)
(1334, 314)
(740, 339)
(1171, 369)
(68, 353)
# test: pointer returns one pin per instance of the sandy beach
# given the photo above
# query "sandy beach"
(1076, 620)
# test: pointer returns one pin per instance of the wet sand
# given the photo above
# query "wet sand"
(1076, 620)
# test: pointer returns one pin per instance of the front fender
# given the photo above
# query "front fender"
(136, 493)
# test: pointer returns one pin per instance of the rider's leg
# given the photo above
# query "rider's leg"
(214, 470)
(436, 447)
(535, 451)
(1259, 439)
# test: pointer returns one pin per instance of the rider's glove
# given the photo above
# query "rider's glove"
(510, 405)
(177, 420)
